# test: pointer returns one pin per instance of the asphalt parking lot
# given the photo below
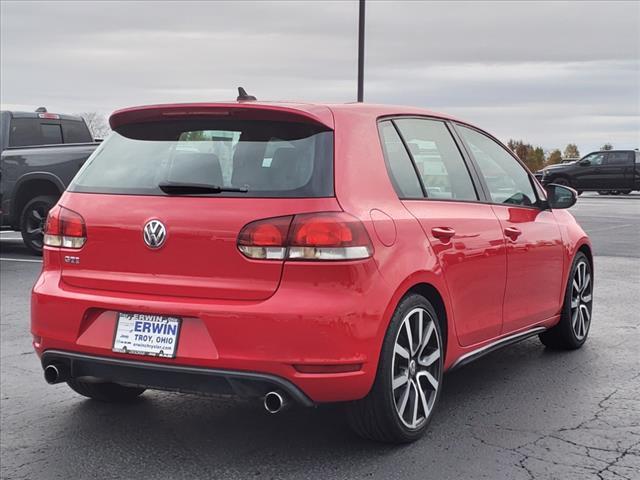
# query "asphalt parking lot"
(520, 413)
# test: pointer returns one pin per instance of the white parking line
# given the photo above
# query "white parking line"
(26, 260)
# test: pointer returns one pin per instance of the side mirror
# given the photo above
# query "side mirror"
(584, 163)
(559, 196)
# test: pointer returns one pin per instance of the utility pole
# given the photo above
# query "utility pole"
(361, 52)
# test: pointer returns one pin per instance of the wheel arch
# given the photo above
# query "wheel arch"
(586, 249)
(560, 175)
(33, 185)
(431, 287)
(434, 297)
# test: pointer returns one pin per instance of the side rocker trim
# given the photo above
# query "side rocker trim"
(492, 347)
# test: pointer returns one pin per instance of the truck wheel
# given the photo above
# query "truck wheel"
(625, 192)
(32, 220)
(603, 192)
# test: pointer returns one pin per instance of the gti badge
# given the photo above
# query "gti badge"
(154, 234)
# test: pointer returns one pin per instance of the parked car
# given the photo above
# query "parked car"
(303, 253)
(41, 153)
(609, 171)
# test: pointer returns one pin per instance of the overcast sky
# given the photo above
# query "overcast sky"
(546, 72)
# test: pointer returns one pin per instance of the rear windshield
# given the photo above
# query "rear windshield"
(267, 159)
(25, 132)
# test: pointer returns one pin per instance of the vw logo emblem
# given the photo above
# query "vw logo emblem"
(154, 234)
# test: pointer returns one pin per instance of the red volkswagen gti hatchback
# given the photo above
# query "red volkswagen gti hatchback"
(303, 253)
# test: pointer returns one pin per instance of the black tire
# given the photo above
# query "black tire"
(615, 192)
(625, 192)
(603, 192)
(564, 335)
(105, 392)
(377, 416)
(32, 220)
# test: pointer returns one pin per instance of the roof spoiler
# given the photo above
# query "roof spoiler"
(243, 111)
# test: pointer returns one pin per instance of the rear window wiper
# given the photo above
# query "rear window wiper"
(187, 188)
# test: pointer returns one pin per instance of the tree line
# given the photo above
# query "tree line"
(535, 157)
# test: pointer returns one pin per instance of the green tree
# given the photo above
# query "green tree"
(571, 151)
(554, 157)
(519, 148)
(535, 158)
(606, 146)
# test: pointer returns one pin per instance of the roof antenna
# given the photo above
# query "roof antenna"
(243, 96)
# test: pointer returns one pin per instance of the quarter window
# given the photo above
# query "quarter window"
(437, 158)
(507, 180)
(401, 171)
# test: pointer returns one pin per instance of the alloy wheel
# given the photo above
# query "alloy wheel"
(581, 300)
(416, 368)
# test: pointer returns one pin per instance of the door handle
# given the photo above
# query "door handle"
(512, 232)
(444, 234)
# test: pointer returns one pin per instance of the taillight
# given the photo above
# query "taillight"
(64, 228)
(265, 239)
(313, 236)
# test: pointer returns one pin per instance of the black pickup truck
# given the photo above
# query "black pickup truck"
(41, 153)
(610, 171)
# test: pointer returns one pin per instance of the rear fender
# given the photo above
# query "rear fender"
(437, 282)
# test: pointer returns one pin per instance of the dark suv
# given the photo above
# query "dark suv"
(41, 153)
(612, 171)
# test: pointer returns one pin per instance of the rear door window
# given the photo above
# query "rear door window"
(269, 159)
(618, 158)
(437, 158)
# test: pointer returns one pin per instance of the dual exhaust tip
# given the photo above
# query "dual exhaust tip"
(274, 402)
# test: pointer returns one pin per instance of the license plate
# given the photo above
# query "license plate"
(144, 334)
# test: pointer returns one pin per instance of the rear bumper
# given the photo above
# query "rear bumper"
(173, 377)
(315, 318)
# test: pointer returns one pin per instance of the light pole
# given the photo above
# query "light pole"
(361, 52)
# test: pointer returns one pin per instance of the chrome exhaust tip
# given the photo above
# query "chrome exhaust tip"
(274, 402)
(54, 373)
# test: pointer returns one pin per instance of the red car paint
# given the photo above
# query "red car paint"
(276, 317)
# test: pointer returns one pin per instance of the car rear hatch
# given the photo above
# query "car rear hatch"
(165, 196)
